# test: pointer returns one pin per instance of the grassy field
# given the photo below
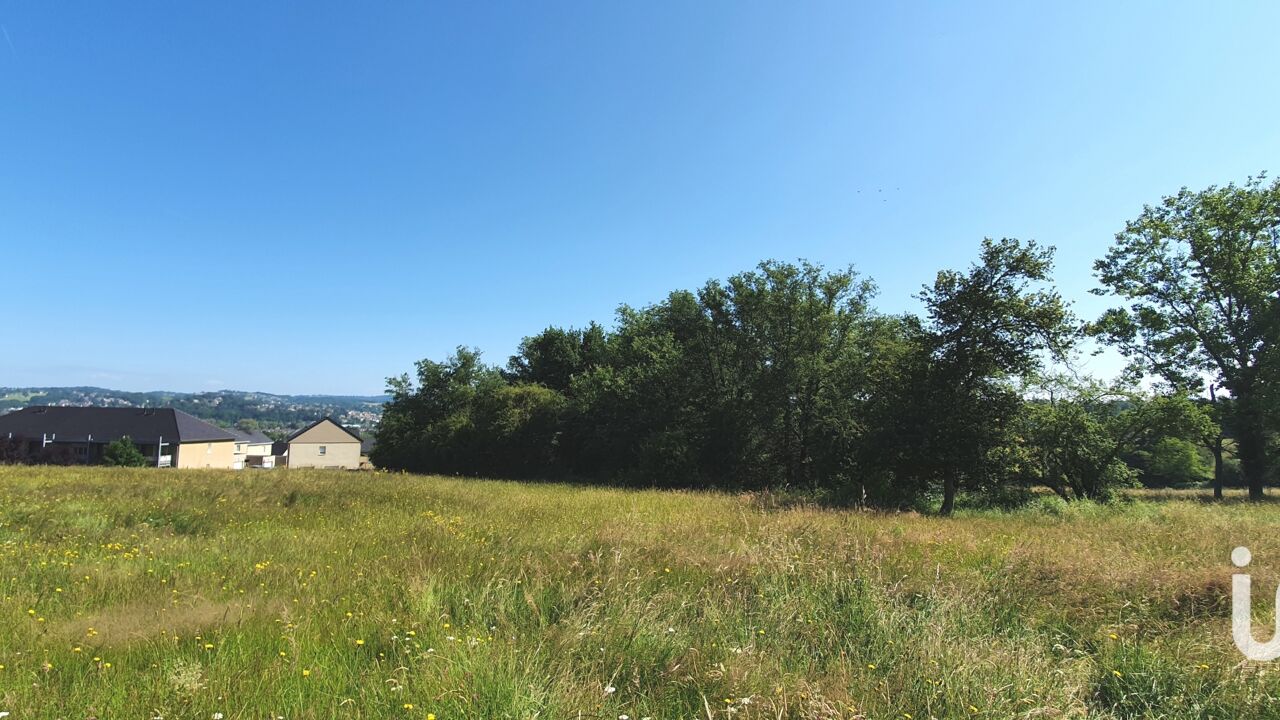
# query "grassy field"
(188, 594)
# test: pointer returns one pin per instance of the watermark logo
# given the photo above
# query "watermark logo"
(1242, 612)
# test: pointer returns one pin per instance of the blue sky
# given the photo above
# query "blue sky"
(307, 197)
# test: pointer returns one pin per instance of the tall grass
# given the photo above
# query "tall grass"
(309, 594)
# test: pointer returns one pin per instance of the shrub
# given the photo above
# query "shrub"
(123, 453)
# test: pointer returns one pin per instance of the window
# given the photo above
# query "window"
(209, 450)
(322, 449)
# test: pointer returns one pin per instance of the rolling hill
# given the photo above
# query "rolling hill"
(274, 414)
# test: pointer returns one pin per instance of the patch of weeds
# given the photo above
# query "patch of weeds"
(1134, 682)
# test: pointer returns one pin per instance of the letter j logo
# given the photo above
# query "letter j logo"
(1242, 612)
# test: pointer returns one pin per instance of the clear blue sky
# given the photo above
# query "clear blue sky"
(197, 196)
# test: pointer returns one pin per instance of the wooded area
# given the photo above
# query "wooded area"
(786, 377)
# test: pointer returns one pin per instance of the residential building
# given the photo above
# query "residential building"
(167, 437)
(324, 444)
(252, 449)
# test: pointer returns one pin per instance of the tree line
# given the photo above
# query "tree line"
(786, 376)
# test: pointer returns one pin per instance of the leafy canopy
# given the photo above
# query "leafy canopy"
(1201, 275)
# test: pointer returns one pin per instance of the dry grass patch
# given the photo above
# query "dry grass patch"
(145, 620)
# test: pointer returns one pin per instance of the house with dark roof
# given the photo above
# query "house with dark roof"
(324, 444)
(171, 438)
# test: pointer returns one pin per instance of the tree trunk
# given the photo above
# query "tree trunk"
(948, 496)
(1216, 446)
(1251, 444)
(1217, 468)
(1251, 439)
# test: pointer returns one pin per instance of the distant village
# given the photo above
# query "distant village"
(275, 415)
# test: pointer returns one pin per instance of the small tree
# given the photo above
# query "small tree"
(123, 453)
(1068, 447)
(1076, 436)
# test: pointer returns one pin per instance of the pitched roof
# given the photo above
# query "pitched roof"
(257, 437)
(318, 422)
(78, 424)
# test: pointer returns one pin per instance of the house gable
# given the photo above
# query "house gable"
(324, 431)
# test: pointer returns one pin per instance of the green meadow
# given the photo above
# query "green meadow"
(299, 594)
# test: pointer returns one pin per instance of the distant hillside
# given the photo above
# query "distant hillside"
(274, 414)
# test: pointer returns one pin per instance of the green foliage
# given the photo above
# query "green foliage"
(518, 425)
(1085, 440)
(1173, 461)
(432, 422)
(1068, 445)
(754, 382)
(1201, 275)
(552, 357)
(986, 326)
(784, 378)
(123, 453)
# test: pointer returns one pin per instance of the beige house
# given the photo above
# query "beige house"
(215, 454)
(324, 444)
(253, 449)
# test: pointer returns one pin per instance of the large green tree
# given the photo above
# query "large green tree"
(1200, 276)
(986, 327)
(790, 358)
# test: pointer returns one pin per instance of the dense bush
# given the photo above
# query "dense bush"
(123, 453)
